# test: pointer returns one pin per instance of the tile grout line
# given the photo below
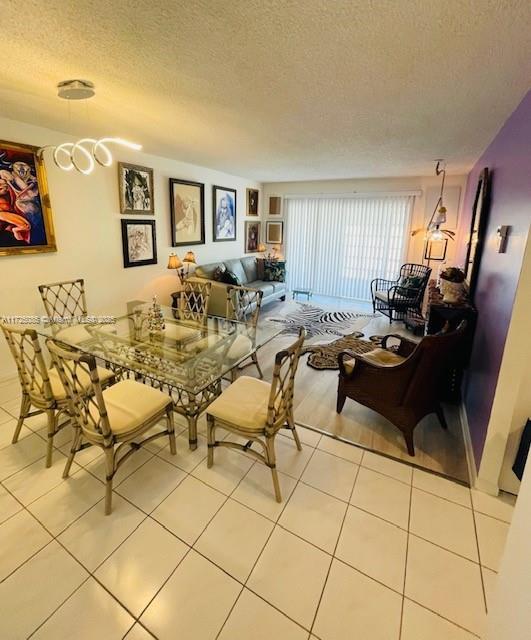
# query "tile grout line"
(335, 548)
(406, 560)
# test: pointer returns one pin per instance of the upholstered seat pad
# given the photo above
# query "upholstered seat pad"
(180, 333)
(382, 295)
(57, 386)
(243, 404)
(382, 357)
(241, 347)
(74, 334)
(129, 404)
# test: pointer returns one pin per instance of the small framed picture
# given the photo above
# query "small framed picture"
(187, 211)
(252, 202)
(435, 249)
(136, 189)
(274, 232)
(139, 242)
(252, 236)
(275, 205)
(224, 213)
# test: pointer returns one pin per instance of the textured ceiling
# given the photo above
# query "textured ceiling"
(275, 89)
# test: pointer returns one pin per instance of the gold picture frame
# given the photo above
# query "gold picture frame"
(26, 220)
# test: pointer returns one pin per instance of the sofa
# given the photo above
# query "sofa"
(250, 273)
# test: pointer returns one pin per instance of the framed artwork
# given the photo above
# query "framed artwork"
(187, 211)
(252, 236)
(478, 228)
(26, 224)
(139, 243)
(275, 205)
(224, 213)
(435, 249)
(136, 189)
(274, 232)
(252, 202)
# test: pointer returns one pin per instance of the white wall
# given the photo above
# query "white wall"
(375, 185)
(509, 615)
(88, 232)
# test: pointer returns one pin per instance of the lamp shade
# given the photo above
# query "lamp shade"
(261, 247)
(189, 257)
(174, 262)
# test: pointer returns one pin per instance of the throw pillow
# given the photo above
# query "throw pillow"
(274, 271)
(229, 277)
(218, 273)
(411, 282)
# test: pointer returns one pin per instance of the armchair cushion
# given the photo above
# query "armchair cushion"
(412, 282)
(382, 295)
(381, 357)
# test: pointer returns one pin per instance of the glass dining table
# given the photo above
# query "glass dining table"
(185, 358)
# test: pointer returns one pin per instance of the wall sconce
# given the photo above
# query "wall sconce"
(181, 266)
(503, 233)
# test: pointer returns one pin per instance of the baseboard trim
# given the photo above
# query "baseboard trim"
(469, 450)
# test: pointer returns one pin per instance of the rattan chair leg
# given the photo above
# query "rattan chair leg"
(171, 429)
(271, 463)
(109, 475)
(211, 439)
(52, 426)
(254, 358)
(25, 405)
(76, 445)
(291, 425)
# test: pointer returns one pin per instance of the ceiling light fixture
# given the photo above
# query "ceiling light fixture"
(84, 154)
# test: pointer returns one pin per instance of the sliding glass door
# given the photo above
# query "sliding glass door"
(336, 245)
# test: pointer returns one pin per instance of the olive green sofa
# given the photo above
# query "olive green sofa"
(249, 271)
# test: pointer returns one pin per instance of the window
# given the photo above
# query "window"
(337, 245)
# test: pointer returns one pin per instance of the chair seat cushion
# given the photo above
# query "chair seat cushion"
(75, 334)
(57, 386)
(243, 404)
(129, 404)
(382, 357)
(382, 295)
(241, 347)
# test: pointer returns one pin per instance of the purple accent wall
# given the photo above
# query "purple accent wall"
(508, 157)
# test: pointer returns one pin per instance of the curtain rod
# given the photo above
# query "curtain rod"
(353, 194)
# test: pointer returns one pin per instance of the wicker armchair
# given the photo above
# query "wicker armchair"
(394, 298)
(402, 385)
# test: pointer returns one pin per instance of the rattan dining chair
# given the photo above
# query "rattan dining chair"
(243, 305)
(112, 419)
(64, 301)
(41, 386)
(257, 410)
(193, 302)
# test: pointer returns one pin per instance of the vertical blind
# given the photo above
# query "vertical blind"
(336, 245)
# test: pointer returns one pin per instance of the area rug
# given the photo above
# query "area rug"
(321, 325)
(325, 356)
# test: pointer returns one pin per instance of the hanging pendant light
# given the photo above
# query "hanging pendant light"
(438, 217)
(84, 154)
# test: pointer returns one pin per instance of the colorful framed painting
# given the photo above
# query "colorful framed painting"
(187, 212)
(252, 202)
(224, 214)
(26, 224)
(139, 242)
(252, 236)
(275, 205)
(136, 189)
(274, 232)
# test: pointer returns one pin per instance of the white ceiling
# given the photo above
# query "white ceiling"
(276, 89)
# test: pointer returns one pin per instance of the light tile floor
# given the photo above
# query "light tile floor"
(362, 546)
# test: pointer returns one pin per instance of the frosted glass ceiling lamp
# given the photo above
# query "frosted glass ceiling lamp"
(86, 152)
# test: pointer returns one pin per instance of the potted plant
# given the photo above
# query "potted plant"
(452, 285)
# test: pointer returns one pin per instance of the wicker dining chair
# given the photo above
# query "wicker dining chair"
(258, 410)
(41, 386)
(193, 302)
(112, 418)
(64, 301)
(243, 305)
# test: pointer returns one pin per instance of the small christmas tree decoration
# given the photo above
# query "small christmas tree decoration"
(155, 319)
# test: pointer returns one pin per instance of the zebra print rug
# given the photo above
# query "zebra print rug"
(321, 323)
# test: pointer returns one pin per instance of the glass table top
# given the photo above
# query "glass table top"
(182, 353)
